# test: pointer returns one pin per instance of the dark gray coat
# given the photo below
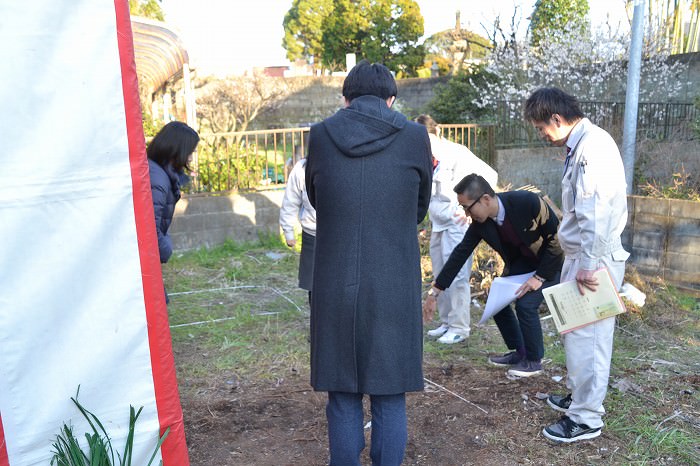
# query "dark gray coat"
(368, 175)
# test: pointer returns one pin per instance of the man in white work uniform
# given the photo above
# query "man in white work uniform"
(297, 208)
(449, 223)
(594, 205)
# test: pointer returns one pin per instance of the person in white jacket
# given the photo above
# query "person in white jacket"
(594, 206)
(296, 208)
(452, 162)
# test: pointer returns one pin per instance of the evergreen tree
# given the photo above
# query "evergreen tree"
(385, 31)
(455, 101)
(550, 16)
(146, 8)
(303, 29)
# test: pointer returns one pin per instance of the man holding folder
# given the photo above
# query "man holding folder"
(594, 205)
(523, 230)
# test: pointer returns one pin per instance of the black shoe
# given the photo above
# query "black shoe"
(526, 368)
(559, 403)
(507, 360)
(568, 431)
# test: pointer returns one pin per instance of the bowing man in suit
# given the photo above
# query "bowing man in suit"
(523, 230)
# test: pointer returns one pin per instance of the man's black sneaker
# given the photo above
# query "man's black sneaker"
(526, 368)
(559, 403)
(568, 431)
(507, 360)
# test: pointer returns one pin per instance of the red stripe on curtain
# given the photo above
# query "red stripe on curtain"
(4, 460)
(174, 450)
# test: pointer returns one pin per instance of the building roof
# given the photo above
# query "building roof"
(159, 53)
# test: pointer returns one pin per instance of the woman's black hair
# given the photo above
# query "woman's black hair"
(173, 145)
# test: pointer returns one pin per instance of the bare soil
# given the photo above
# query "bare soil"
(283, 423)
(470, 413)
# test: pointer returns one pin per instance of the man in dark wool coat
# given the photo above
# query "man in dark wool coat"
(368, 175)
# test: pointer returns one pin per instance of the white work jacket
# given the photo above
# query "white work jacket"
(455, 161)
(295, 204)
(594, 197)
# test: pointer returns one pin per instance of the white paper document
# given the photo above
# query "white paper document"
(502, 293)
(571, 310)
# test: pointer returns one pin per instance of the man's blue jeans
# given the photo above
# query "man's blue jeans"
(346, 438)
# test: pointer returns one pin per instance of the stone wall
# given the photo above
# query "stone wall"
(416, 93)
(314, 98)
(690, 79)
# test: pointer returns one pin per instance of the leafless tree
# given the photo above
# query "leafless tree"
(231, 104)
(504, 38)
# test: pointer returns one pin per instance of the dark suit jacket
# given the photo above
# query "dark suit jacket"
(536, 225)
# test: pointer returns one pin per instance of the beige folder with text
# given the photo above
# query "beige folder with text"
(571, 310)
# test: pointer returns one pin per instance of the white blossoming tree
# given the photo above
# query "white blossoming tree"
(590, 65)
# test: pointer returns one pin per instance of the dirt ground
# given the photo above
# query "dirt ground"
(283, 424)
(470, 413)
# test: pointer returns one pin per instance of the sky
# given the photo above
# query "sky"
(226, 37)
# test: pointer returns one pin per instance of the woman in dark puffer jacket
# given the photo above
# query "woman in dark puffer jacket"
(169, 154)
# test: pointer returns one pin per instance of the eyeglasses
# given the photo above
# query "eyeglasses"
(468, 209)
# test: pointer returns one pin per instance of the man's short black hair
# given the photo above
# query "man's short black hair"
(546, 101)
(474, 186)
(369, 79)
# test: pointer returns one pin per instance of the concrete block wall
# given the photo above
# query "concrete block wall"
(540, 167)
(663, 235)
(208, 220)
(664, 238)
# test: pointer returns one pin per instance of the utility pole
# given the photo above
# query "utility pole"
(629, 135)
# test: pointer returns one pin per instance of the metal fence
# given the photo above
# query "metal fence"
(480, 139)
(255, 159)
(657, 121)
(248, 160)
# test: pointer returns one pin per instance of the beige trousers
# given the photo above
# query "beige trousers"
(453, 303)
(589, 350)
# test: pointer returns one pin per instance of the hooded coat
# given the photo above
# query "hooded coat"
(368, 175)
(165, 189)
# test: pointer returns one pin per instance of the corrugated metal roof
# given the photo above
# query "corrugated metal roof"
(159, 52)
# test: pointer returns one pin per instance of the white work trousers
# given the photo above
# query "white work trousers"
(453, 303)
(589, 351)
